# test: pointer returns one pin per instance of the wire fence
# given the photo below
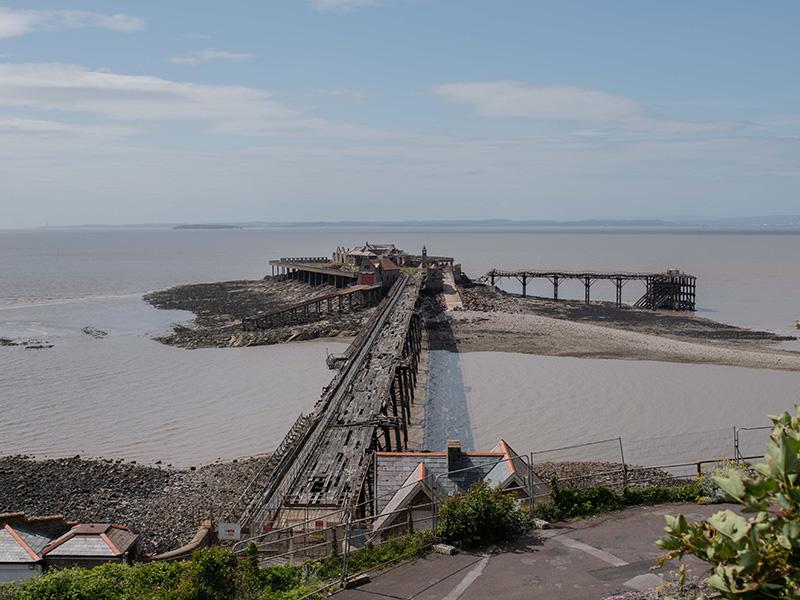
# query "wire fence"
(335, 533)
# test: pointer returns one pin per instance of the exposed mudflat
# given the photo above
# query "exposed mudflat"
(166, 505)
(494, 321)
(682, 325)
(220, 307)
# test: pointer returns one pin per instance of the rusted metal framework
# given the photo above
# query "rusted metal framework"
(672, 289)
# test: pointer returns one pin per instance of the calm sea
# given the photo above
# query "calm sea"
(126, 395)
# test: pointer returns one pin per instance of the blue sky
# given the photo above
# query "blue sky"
(134, 112)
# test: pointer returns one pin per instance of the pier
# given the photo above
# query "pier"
(671, 289)
(315, 270)
(327, 460)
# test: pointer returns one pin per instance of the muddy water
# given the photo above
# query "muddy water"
(126, 395)
(665, 412)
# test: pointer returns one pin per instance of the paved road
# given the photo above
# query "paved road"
(589, 559)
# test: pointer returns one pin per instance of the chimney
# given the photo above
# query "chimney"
(453, 455)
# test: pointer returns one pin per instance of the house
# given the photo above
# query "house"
(409, 485)
(22, 540)
(360, 255)
(379, 271)
(92, 544)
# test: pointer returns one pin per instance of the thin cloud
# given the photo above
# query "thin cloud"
(340, 4)
(49, 127)
(229, 110)
(15, 23)
(203, 56)
(570, 104)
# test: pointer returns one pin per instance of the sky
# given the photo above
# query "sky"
(291, 110)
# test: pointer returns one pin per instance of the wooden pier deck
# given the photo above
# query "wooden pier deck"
(329, 455)
(671, 289)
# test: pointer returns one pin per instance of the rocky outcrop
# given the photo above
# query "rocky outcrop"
(220, 307)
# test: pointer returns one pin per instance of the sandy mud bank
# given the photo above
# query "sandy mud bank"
(496, 321)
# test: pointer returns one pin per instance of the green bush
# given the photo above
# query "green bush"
(571, 503)
(710, 492)
(754, 556)
(484, 515)
(211, 574)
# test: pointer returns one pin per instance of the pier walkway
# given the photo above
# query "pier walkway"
(671, 289)
(327, 459)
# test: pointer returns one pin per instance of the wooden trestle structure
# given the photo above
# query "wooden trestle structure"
(672, 289)
(314, 270)
(326, 461)
(344, 300)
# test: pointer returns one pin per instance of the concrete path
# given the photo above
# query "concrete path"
(452, 298)
(589, 559)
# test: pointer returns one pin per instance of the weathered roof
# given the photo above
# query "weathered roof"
(415, 483)
(93, 539)
(14, 549)
(23, 538)
(387, 264)
(394, 468)
(502, 468)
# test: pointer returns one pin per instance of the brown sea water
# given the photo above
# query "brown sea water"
(126, 395)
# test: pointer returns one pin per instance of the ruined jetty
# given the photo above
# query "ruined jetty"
(672, 289)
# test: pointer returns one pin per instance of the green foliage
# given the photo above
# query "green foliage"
(211, 574)
(571, 503)
(754, 556)
(710, 492)
(484, 515)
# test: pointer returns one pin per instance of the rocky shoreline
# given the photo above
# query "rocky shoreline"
(220, 307)
(584, 474)
(166, 505)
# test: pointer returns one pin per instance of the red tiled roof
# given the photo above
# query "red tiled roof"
(389, 265)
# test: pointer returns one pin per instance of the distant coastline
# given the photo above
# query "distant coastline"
(207, 226)
(756, 224)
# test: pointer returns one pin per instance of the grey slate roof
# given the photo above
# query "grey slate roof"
(502, 468)
(23, 538)
(11, 551)
(93, 540)
(36, 540)
(394, 469)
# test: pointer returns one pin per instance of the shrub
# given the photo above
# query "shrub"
(571, 503)
(484, 515)
(710, 492)
(756, 556)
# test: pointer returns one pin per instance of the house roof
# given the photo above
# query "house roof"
(93, 540)
(22, 538)
(414, 485)
(14, 548)
(500, 468)
(389, 265)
